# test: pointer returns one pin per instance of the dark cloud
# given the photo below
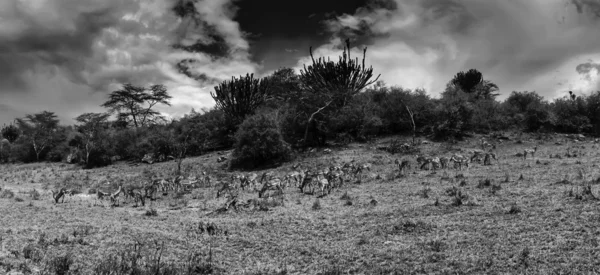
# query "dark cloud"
(591, 6)
(66, 55)
(517, 44)
(62, 36)
(586, 68)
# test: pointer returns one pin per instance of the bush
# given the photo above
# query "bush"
(259, 142)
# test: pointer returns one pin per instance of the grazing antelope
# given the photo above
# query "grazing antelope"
(295, 177)
(307, 180)
(238, 177)
(460, 160)
(114, 196)
(488, 157)
(101, 195)
(405, 164)
(251, 180)
(530, 152)
(269, 182)
(226, 187)
(434, 161)
(335, 176)
(138, 197)
(477, 154)
(444, 162)
(360, 169)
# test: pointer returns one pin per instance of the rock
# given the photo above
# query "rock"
(221, 159)
(327, 151)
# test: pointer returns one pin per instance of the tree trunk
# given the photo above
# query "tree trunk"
(412, 122)
(310, 119)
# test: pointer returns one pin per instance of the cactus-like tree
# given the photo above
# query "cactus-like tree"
(241, 96)
(331, 85)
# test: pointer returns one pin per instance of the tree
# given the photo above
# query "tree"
(468, 81)
(329, 84)
(188, 132)
(40, 129)
(258, 141)
(135, 103)
(10, 133)
(91, 126)
(241, 96)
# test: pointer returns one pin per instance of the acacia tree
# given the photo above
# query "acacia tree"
(330, 85)
(91, 126)
(135, 103)
(10, 133)
(472, 82)
(241, 96)
(40, 130)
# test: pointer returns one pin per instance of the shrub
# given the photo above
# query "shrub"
(259, 142)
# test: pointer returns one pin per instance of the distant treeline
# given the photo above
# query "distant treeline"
(265, 119)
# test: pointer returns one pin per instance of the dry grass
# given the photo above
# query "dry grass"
(484, 220)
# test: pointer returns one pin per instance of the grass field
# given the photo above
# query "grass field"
(534, 216)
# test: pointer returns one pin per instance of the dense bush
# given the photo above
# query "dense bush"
(259, 142)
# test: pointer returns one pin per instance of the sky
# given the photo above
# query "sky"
(66, 56)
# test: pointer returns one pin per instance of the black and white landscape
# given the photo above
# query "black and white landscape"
(299, 137)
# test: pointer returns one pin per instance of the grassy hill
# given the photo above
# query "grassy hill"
(534, 216)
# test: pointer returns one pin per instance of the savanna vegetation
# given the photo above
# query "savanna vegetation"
(325, 171)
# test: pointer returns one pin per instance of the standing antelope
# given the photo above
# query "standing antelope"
(307, 180)
(57, 195)
(323, 183)
(530, 151)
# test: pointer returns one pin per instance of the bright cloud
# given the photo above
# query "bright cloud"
(520, 45)
(67, 55)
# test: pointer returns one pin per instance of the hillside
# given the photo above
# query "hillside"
(537, 216)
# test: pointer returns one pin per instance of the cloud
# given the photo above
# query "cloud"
(67, 55)
(519, 45)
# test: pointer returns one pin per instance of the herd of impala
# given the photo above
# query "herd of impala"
(316, 180)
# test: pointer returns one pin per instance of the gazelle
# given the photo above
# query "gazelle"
(360, 169)
(114, 196)
(334, 175)
(444, 162)
(530, 152)
(269, 182)
(487, 160)
(460, 160)
(323, 183)
(405, 164)
(138, 197)
(307, 180)
(57, 195)
(424, 161)
(477, 154)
